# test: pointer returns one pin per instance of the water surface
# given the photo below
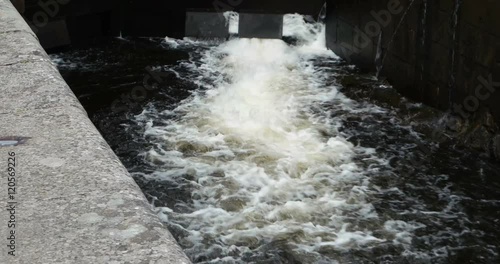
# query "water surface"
(253, 152)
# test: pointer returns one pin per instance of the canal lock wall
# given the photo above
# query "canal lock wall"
(444, 53)
(70, 199)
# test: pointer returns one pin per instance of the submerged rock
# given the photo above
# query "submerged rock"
(233, 204)
(480, 133)
(218, 174)
(190, 148)
(478, 137)
(422, 113)
(190, 174)
(349, 81)
(386, 96)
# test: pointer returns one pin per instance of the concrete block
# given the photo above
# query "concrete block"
(206, 25)
(269, 26)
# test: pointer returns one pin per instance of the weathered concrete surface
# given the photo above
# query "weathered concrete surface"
(76, 201)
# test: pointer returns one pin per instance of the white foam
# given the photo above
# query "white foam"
(171, 43)
(233, 19)
(311, 37)
(288, 172)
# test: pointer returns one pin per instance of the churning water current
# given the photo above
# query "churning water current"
(269, 162)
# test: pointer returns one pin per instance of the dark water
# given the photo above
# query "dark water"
(435, 203)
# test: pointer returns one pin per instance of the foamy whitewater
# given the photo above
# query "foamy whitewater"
(258, 151)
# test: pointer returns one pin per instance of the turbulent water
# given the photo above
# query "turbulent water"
(259, 153)
(267, 161)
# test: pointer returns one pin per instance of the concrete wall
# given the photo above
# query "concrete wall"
(163, 17)
(440, 52)
(73, 201)
(77, 22)
(430, 58)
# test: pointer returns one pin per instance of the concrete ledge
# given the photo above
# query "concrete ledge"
(76, 201)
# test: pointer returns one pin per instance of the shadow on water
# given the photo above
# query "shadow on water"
(451, 196)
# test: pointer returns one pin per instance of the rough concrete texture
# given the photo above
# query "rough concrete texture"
(76, 201)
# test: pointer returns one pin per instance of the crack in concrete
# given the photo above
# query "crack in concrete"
(17, 62)
(9, 64)
(29, 60)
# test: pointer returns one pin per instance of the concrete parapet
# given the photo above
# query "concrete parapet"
(74, 200)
